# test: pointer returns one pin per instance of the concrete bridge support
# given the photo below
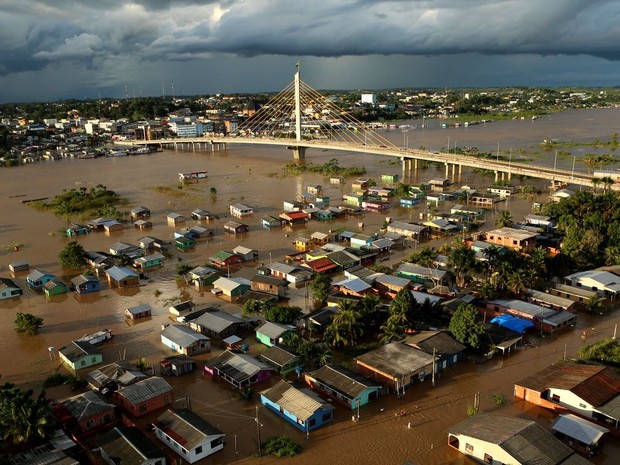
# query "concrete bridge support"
(299, 153)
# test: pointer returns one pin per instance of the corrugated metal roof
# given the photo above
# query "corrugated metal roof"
(578, 428)
(87, 405)
(302, 404)
(144, 390)
(441, 341)
(396, 359)
(129, 446)
(182, 335)
(278, 355)
(273, 330)
(217, 321)
(343, 380)
(186, 428)
(562, 375)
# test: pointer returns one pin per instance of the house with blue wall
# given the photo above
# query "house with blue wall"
(85, 283)
(80, 354)
(38, 278)
(343, 386)
(302, 408)
(147, 262)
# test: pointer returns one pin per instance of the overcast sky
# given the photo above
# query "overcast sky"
(56, 49)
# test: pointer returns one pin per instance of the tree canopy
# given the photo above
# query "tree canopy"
(28, 324)
(22, 418)
(320, 286)
(72, 256)
(466, 326)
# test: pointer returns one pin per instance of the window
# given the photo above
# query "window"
(583, 405)
(82, 362)
(142, 408)
(469, 448)
(198, 450)
(312, 422)
(555, 398)
(488, 458)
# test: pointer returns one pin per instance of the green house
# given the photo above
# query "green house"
(390, 178)
(283, 359)
(52, 288)
(184, 243)
(147, 262)
(80, 354)
(271, 334)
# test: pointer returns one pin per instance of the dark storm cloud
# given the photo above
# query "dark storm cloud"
(40, 35)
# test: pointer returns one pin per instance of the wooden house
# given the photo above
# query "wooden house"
(125, 249)
(53, 288)
(202, 215)
(145, 396)
(590, 391)
(292, 206)
(447, 350)
(8, 289)
(38, 278)
(185, 340)
(80, 354)
(217, 325)
(122, 277)
(99, 261)
(188, 435)
(152, 244)
(85, 283)
(113, 226)
(269, 221)
(302, 408)
(86, 414)
(361, 184)
(240, 370)
(232, 227)
(396, 365)
(321, 265)
(202, 276)
(284, 360)
(336, 180)
(316, 189)
(489, 438)
(139, 311)
(303, 244)
(127, 444)
(353, 286)
(111, 377)
(98, 223)
(142, 225)
(390, 178)
(246, 253)
(140, 213)
(269, 285)
(224, 259)
(343, 386)
(175, 219)
(182, 308)
(324, 215)
(232, 287)
(388, 285)
(154, 260)
(177, 365)
(184, 243)
(293, 218)
(411, 231)
(17, 267)
(240, 210)
(271, 334)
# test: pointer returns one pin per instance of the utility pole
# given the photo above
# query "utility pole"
(258, 425)
(433, 378)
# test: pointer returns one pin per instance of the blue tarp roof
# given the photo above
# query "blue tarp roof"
(513, 323)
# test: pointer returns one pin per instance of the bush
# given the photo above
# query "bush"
(281, 446)
(57, 379)
(72, 256)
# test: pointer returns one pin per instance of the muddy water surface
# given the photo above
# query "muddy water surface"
(251, 175)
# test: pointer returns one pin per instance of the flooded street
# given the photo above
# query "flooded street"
(252, 175)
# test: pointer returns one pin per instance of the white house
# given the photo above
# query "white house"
(603, 282)
(240, 210)
(501, 439)
(188, 435)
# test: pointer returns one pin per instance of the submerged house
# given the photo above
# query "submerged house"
(80, 354)
(282, 359)
(302, 408)
(145, 396)
(86, 414)
(342, 385)
(127, 444)
(38, 278)
(232, 227)
(8, 289)
(52, 288)
(240, 370)
(184, 340)
(188, 435)
(140, 213)
(122, 277)
(85, 283)
(272, 334)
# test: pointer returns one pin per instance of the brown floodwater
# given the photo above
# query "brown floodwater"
(251, 175)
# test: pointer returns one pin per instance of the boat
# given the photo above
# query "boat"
(98, 337)
(117, 153)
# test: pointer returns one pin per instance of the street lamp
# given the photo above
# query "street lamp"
(555, 160)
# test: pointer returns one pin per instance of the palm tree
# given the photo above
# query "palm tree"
(369, 310)
(346, 327)
(595, 304)
(492, 256)
(537, 264)
(462, 261)
(395, 328)
(504, 220)
(519, 280)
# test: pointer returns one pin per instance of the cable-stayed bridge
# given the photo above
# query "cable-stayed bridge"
(301, 118)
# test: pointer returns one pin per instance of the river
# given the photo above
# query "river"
(252, 175)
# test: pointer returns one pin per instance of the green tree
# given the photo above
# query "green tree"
(466, 326)
(594, 305)
(504, 219)
(27, 323)
(462, 262)
(395, 328)
(320, 286)
(282, 315)
(72, 256)
(252, 307)
(23, 418)
(346, 327)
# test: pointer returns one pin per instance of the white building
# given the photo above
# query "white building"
(370, 99)
(187, 434)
